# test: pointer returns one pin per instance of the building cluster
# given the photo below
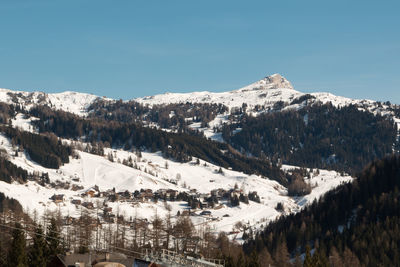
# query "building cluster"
(194, 199)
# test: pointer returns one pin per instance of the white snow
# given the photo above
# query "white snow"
(94, 170)
(69, 101)
(23, 123)
(265, 92)
(90, 170)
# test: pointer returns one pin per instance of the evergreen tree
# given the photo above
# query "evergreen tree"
(282, 256)
(53, 244)
(240, 262)
(308, 261)
(17, 254)
(37, 252)
(265, 258)
(253, 260)
(3, 254)
(334, 258)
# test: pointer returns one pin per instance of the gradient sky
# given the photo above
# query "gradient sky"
(125, 49)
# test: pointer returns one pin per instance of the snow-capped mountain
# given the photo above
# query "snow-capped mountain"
(69, 101)
(265, 93)
(123, 170)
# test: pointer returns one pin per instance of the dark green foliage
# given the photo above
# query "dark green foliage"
(53, 243)
(356, 223)
(9, 171)
(179, 146)
(37, 251)
(301, 99)
(166, 115)
(319, 136)
(45, 150)
(6, 112)
(17, 256)
(9, 204)
(308, 260)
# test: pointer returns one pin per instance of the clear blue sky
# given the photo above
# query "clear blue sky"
(126, 49)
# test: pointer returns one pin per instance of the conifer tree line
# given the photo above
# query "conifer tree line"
(165, 115)
(178, 146)
(317, 136)
(25, 245)
(356, 224)
(9, 171)
(47, 150)
(27, 242)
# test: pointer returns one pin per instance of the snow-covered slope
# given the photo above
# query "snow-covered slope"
(68, 101)
(270, 89)
(266, 93)
(155, 172)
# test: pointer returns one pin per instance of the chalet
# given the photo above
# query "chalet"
(209, 203)
(196, 204)
(171, 194)
(162, 191)
(141, 197)
(103, 194)
(91, 192)
(219, 193)
(88, 205)
(203, 204)
(76, 201)
(146, 195)
(107, 210)
(69, 220)
(148, 191)
(58, 198)
(113, 197)
(76, 187)
(125, 195)
(109, 218)
(204, 195)
(136, 194)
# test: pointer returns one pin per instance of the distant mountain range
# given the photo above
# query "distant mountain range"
(246, 156)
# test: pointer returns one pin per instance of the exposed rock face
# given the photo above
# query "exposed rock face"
(273, 81)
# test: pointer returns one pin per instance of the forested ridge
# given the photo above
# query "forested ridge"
(47, 150)
(167, 116)
(355, 224)
(318, 136)
(9, 171)
(128, 135)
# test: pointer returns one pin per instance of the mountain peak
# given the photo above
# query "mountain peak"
(273, 81)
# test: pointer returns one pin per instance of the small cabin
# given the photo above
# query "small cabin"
(58, 198)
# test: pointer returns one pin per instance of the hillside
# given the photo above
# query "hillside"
(354, 225)
(149, 171)
(220, 165)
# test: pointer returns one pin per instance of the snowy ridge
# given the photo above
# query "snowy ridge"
(266, 92)
(273, 81)
(263, 93)
(69, 101)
